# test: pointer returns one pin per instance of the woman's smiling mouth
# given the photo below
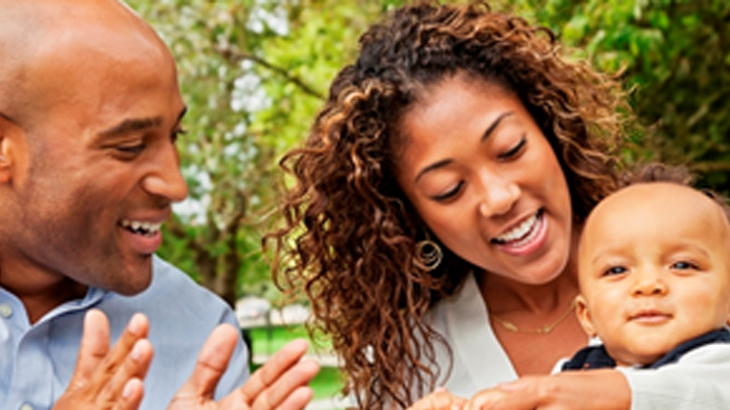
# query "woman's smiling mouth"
(523, 233)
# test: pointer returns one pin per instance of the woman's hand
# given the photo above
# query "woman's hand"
(574, 390)
(440, 399)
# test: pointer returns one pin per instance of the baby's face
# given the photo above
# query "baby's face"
(654, 265)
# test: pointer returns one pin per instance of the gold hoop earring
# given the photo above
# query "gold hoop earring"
(428, 255)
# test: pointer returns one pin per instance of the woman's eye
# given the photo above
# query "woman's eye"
(615, 270)
(451, 193)
(514, 151)
(683, 265)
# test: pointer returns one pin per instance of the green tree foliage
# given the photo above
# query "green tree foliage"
(255, 72)
(676, 60)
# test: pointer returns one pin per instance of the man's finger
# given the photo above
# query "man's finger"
(298, 399)
(279, 391)
(94, 346)
(132, 395)
(109, 367)
(279, 363)
(136, 329)
(212, 364)
(134, 367)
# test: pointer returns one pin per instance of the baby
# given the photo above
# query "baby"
(654, 272)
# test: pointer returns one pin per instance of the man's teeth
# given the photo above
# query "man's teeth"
(144, 228)
(519, 231)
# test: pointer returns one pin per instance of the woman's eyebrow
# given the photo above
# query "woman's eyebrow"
(433, 166)
(490, 130)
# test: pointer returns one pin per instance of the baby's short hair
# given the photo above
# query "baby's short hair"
(658, 172)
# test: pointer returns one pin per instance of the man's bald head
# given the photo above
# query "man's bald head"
(92, 107)
(38, 34)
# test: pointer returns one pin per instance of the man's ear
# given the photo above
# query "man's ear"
(9, 132)
(584, 316)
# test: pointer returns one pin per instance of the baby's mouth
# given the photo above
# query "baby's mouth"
(649, 316)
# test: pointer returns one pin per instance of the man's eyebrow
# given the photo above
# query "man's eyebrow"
(132, 125)
(490, 130)
(138, 124)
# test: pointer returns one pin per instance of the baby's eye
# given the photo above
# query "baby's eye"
(615, 270)
(683, 265)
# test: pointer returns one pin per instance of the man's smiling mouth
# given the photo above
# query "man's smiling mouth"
(141, 227)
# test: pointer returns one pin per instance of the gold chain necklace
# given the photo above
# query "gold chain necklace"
(541, 330)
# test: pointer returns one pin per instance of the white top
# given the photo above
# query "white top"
(700, 380)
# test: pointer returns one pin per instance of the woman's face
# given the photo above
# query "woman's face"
(484, 178)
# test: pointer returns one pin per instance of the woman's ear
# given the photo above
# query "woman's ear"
(584, 316)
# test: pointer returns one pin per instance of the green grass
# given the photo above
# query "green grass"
(328, 381)
(268, 340)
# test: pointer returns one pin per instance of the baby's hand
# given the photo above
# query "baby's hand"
(440, 399)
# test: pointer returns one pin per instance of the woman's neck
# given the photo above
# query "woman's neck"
(504, 295)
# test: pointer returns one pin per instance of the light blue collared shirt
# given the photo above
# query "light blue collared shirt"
(37, 361)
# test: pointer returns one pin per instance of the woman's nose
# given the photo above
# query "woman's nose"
(498, 195)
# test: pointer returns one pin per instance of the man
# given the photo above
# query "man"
(89, 112)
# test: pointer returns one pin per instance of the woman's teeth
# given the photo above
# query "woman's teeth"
(524, 232)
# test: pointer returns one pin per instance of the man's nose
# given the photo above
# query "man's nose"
(165, 179)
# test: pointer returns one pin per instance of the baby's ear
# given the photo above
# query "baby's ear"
(584, 316)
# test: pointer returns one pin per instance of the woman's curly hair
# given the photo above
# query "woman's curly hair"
(350, 233)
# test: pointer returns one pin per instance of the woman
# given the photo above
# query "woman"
(437, 206)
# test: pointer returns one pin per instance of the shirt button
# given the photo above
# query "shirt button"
(6, 311)
(26, 406)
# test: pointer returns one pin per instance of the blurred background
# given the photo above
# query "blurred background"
(255, 72)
